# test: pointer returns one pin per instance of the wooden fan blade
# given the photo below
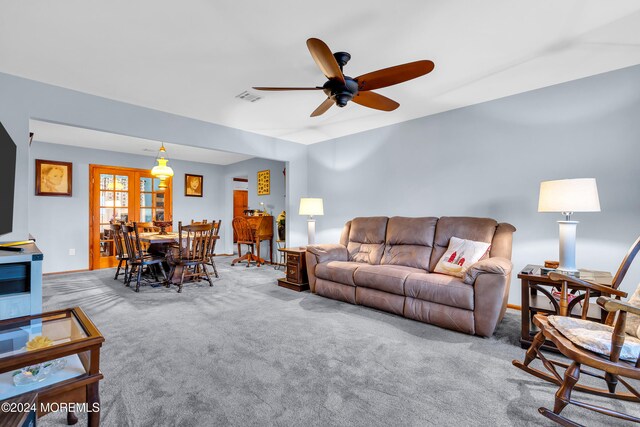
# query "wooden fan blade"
(325, 59)
(322, 108)
(394, 75)
(286, 88)
(375, 100)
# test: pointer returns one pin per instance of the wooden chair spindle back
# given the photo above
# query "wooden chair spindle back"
(194, 241)
(117, 239)
(132, 241)
(243, 230)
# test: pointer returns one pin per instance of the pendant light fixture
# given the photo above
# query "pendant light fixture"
(161, 170)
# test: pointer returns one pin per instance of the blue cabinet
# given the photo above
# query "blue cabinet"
(21, 282)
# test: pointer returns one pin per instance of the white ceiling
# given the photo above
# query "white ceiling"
(88, 138)
(194, 56)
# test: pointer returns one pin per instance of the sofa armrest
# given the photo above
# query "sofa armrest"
(490, 278)
(322, 253)
(494, 265)
(328, 252)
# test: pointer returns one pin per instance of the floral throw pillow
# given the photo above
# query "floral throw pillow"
(460, 255)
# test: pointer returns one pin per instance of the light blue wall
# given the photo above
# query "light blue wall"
(62, 223)
(483, 160)
(275, 202)
(489, 159)
(23, 99)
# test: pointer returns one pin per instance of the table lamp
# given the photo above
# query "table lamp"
(311, 207)
(568, 196)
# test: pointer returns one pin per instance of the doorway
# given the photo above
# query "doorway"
(240, 199)
(121, 194)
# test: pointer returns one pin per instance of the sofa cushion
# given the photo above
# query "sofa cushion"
(368, 229)
(336, 291)
(367, 253)
(407, 269)
(477, 229)
(366, 239)
(337, 271)
(444, 316)
(381, 277)
(380, 300)
(439, 288)
(409, 241)
(344, 236)
(407, 255)
(411, 231)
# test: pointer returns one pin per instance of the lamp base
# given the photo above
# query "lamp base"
(568, 247)
(311, 230)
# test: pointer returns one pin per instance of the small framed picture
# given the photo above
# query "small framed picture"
(53, 178)
(192, 185)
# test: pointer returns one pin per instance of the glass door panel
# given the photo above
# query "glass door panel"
(113, 206)
(152, 199)
(124, 195)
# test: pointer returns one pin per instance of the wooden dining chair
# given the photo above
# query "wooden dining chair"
(147, 227)
(214, 239)
(121, 253)
(245, 236)
(194, 245)
(138, 259)
(194, 222)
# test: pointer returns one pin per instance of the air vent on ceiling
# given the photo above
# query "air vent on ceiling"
(247, 96)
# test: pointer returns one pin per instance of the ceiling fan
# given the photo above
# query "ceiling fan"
(341, 89)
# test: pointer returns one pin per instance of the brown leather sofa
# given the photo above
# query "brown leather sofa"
(387, 263)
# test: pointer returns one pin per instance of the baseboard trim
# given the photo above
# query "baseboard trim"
(515, 307)
(65, 272)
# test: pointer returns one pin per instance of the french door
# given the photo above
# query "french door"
(121, 194)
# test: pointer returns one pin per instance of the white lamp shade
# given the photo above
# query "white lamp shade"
(569, 195)
(311, 206)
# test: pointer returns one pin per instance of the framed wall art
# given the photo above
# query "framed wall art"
(53, 178)
(193, 185)
(264, 183)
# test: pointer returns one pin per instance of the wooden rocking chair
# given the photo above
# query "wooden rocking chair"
(614, 356)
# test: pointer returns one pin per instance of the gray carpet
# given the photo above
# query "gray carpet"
(247, 352)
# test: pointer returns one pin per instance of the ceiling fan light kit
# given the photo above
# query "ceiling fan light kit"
(341, 89)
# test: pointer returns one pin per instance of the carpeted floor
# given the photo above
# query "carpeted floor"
(247, 352)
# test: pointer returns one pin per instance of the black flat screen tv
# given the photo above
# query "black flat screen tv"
(7, 180)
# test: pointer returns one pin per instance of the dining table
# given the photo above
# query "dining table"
(159, 239)
(160, 244)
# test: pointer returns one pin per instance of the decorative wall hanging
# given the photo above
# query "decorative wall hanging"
(264, 183)
(193, 185)
(53, 178)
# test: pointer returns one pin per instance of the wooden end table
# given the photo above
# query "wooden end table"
(296, 269)
(537, 297)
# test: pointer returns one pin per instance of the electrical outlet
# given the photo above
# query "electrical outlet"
(72, 251)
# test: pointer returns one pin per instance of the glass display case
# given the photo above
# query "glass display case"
(54, 354)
